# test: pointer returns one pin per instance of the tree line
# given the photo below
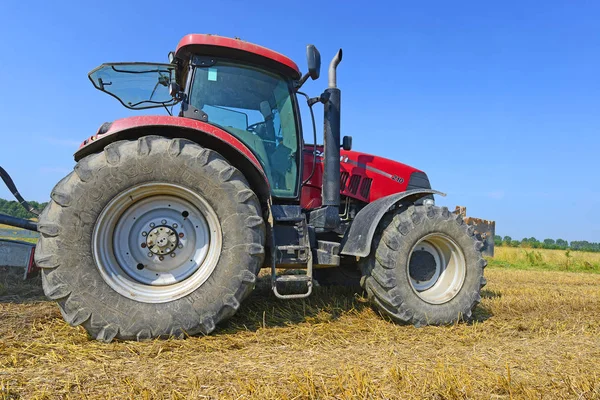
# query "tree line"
(558, 244)
(14, 209)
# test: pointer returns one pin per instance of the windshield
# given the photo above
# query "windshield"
(255, 106)
(136, 85)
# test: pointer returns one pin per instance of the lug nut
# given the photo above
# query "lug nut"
(152, 225)
(161, 258)
(180, 245)
(175, 226)
(173, 254)
(150, 254)
(181, 234)
(164, 222)
(144, 234)
(143, 245)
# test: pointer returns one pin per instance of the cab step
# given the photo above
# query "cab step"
(293, 278)
(281, 281)
(290, 245)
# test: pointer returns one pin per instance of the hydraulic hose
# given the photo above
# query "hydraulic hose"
(314, 163)
(13, 189)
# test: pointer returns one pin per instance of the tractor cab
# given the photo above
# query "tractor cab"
(227, 83)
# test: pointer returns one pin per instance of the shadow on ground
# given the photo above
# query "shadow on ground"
(263, 309)
(13, 289)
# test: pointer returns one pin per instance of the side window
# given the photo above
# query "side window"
(256, 107)
(227, 117)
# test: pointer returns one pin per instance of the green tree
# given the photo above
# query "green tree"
(14, 209)
(498, 240)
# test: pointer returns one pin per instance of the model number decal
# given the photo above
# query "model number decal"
(397, 179)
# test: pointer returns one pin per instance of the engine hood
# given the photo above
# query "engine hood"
(363, 176)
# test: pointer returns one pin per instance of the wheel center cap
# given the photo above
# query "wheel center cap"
(422, 266)
(162, 240)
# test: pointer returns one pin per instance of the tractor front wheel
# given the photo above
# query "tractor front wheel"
(151, 238)
(425, 267)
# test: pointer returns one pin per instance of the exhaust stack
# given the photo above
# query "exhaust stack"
(331, 137)
(328, 216)
(332, 69)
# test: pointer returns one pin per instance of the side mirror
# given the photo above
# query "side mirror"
(171, 57)
(313, 60)
(347, 143)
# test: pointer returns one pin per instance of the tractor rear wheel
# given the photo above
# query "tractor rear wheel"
(425, 267)
(151, 238)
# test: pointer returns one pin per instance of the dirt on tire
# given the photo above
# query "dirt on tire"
(386, 273)
(70, 274)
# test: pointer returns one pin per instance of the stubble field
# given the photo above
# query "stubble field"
(536, 335)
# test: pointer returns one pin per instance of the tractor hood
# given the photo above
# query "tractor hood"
(363, 176)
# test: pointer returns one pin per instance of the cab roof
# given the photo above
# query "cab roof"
(214, 45)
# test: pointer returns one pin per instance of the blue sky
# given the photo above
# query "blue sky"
(498, 103)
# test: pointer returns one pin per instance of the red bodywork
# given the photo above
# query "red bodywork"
(163, 120)
(206, 44)
(363, 177)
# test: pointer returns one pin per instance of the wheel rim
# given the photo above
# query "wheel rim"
(436, 268)
(156, 242)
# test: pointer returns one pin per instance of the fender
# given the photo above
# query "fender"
(360, 235)
(236, 152)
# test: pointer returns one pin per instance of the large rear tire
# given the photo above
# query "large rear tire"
(425, 267)
(151, 238)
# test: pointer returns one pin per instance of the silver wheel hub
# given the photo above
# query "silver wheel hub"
(157, 242)
(162, 240)
(436, 268)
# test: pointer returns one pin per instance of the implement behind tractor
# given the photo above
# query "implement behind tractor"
(165, 221)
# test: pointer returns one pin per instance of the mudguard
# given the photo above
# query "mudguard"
(234, 150)
(358, 238)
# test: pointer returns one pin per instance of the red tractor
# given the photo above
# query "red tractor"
(165, 221)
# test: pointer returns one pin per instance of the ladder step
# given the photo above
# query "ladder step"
(293, 278)
(293, 247)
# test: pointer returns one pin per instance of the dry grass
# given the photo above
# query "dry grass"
(537, 335)
(557, 260)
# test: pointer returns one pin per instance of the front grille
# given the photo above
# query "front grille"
(343, 179)
(365, 187)
(353, 186)
(418, 180)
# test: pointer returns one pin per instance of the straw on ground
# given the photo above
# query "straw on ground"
(536, 335)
